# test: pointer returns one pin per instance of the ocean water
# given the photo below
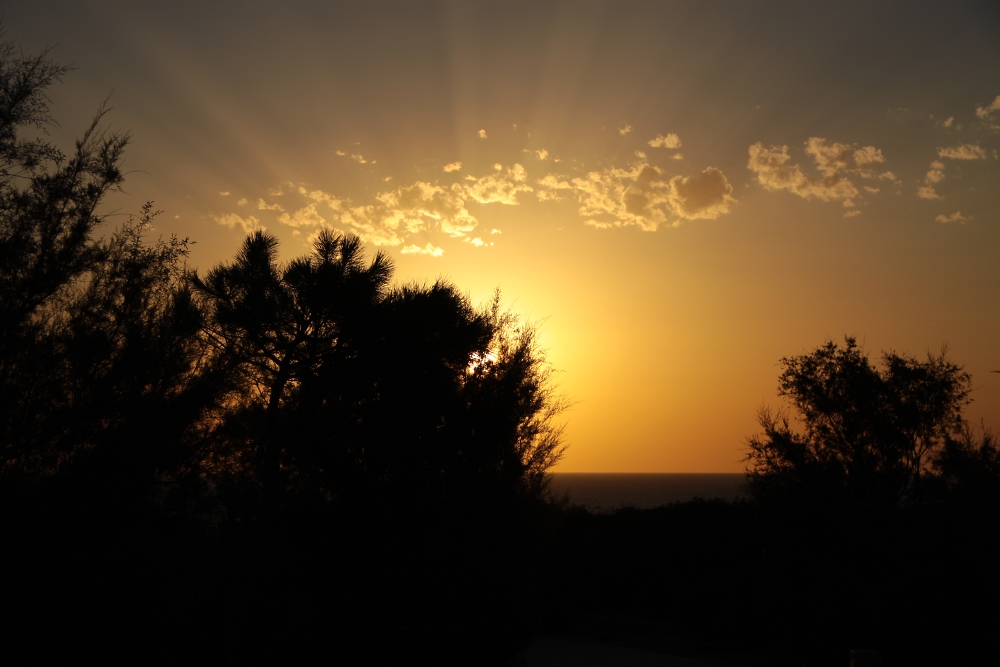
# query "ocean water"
(608, 491)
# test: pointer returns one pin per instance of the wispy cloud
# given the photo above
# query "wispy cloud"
(232, 220)
(497, 188)
(989, 113)
(624, 129)
(429, 249)
(955, 217)
(482, 134)
(963, 152)
(834, 162)
(454, 166)
(665, 141)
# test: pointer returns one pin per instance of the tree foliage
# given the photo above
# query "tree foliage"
(868, 434)
(296, 407)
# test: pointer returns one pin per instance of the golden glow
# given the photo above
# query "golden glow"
(822, 191)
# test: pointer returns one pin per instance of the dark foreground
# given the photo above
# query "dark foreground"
(702, 581)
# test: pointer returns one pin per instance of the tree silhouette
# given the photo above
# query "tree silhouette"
(869, 433)
(278, 325)
(383, 447)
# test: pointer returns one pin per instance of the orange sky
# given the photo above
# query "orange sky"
(681, 193)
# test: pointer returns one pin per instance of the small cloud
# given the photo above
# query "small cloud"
(495, 231)
(934, 176)
(264, 206)
(851, 214)
(986, 112)
(954, 217)
(640, 155)
(963, 152)
(482, 134)
(478, 242)
(341, 153)
(500, 189)
(279, 191)
(224, 193)
(705, 195)
(665, 141)
(497, 167)
(307, 216)
(948, 122)
(428, 249)
(360, 159)
(678, 156)
(887, 176)
(624, 129)
(232, 220)
(928, 192)
(387, 179)
(542, 154)
(871, 190)
(936, 164)
(242, 202)
(454, 166)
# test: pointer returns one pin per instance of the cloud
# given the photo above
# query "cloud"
(306, 216)
(495, 231)
(482, 134)
(454, 166)
(553, 189)
(341, 153)
(678, 156)
(624, 129)
(834, 162)
(934, 176)
(665, 141)
(428, 249)
(954, 217)
(500, 189)
(264, 206)
(963, 152)
(986, 113)
(282, 189)
(928, 192)
(706, 195)
(224, 194)
(242, 202)
(642, 196)
(319, 196)
(232, 220)
(478, 242)
(851, 214)
(497, 167)
(542, 154)
(423, 206)
(950, 120)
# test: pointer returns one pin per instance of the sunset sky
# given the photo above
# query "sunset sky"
(680, 193)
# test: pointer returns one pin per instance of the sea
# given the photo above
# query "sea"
(609, 491)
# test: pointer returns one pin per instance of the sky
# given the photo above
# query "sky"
(679, 194)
